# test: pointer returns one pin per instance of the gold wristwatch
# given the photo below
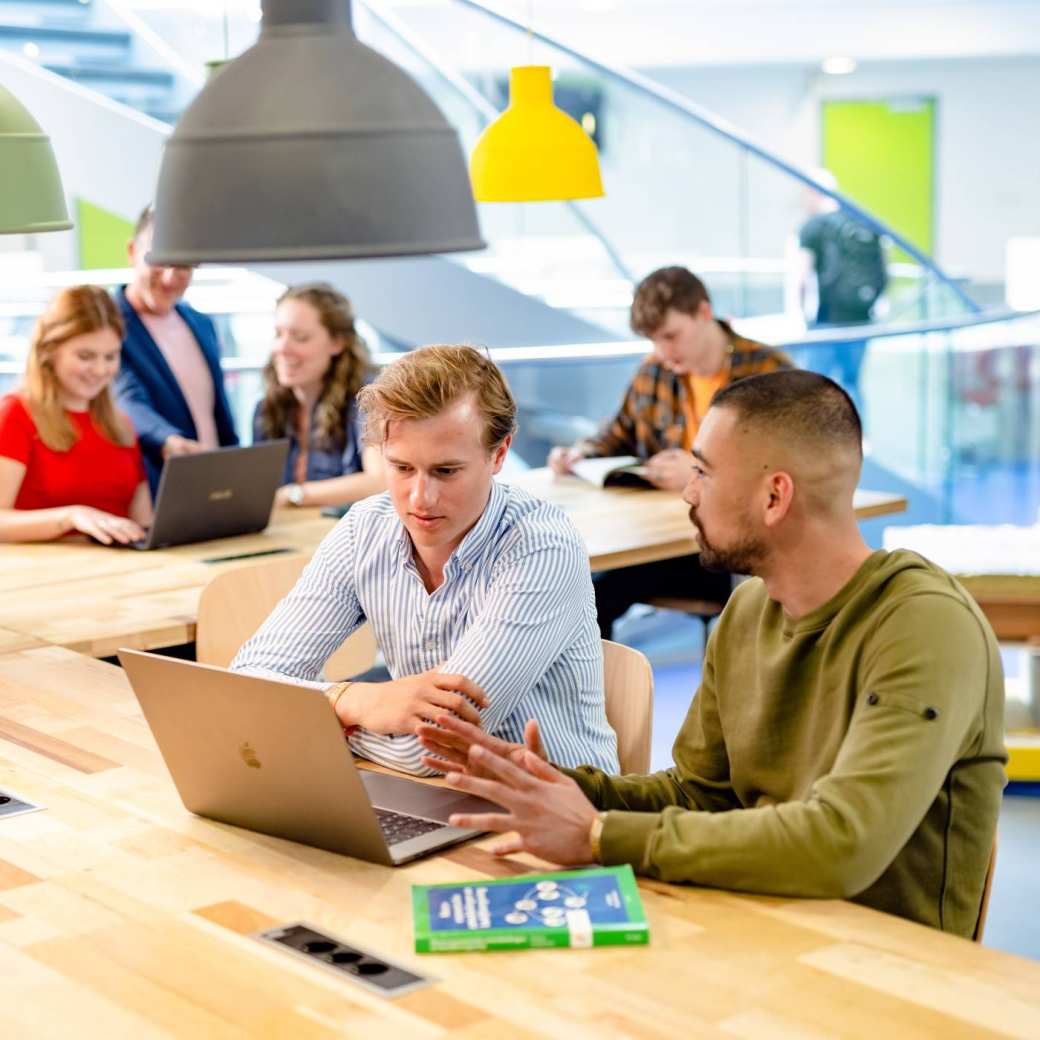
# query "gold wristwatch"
(595, 833)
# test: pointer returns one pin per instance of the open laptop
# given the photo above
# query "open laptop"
(216, 494)
(271, 756)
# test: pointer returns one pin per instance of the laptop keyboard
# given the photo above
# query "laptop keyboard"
(397, 827)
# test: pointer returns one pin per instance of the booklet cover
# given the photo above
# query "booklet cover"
(580, 908)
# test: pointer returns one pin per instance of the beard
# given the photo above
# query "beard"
(742, 556)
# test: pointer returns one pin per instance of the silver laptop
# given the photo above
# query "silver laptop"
(271, 756)
(216, 494)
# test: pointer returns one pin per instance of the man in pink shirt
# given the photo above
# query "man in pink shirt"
(170, 380)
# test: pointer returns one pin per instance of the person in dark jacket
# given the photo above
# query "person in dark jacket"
(170, 381)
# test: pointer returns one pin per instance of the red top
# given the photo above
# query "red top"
(93, 472)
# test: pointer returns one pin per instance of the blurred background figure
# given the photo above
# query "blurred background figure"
(69, 460)
(838, 274)
(317, 365)
(170, 381)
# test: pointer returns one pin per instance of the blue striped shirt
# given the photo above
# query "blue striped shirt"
(515, 614)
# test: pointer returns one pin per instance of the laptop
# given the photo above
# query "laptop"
(216, 494)
(271, 756)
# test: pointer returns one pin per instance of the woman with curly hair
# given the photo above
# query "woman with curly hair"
(317, 365)
(69, 460)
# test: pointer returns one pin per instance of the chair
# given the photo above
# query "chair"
(235, 603)
(628, 684)
(987, 887)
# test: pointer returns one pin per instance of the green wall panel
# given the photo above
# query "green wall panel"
(102, 236)
(882, 154)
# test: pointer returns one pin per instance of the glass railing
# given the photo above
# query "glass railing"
(681, 186)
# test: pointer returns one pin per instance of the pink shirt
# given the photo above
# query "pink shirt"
(188, 364)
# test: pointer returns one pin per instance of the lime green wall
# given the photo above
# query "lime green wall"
(881, 153)
(102, 236)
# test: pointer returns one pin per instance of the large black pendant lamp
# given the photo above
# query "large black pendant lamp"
(311, 146)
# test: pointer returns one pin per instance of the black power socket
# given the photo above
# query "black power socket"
(370, 970)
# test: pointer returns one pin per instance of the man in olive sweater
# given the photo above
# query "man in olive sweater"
(847, 737)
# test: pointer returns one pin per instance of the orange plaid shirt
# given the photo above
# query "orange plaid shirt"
(653, 415)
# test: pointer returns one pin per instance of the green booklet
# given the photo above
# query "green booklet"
(580, 908)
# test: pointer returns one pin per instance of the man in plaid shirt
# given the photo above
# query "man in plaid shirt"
(695, 354)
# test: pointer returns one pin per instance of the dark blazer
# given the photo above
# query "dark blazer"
(148, 392)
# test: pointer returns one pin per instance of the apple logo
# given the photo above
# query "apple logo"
(249, 755)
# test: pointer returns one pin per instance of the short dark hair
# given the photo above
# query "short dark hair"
(145, 220)
(660, 290)
(805, 405)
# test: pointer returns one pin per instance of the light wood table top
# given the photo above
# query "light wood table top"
(627, 526)
(95, 599)
(121, 915)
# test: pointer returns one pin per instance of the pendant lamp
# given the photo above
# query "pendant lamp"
(534, 151)
(311, 146)
(31, 196)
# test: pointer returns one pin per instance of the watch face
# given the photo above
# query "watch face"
(296, 495)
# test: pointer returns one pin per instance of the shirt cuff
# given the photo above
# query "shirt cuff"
(625, 836)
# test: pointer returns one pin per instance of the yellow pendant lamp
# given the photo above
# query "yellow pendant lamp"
(534, 151)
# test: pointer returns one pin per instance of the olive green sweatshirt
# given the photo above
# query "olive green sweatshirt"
(857, 752)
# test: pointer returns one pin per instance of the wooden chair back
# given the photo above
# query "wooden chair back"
(987, 887)
(236, 602)
(628, 683)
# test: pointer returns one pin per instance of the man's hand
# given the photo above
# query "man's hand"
(561, 459)
(450, 739)
(177, 445)
(549, 812)
(670, 469)
(401, 705)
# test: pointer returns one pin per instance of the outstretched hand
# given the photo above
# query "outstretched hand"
(548, 811)
(449, 742)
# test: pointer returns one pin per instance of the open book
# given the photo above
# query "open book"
(614, 471)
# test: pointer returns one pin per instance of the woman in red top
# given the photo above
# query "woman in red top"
(69, 460)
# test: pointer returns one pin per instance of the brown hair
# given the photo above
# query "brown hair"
(795, 405)
(345, 375)
(145, 219)
(75, 311)
(661, 289)
(426, 381)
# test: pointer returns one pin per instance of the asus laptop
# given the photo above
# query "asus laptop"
(271, 756)
(216, 494)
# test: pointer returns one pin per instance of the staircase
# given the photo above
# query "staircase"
(91, 44)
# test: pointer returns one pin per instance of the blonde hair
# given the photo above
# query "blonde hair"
(342, 380)
(75, 311)
(425, 382)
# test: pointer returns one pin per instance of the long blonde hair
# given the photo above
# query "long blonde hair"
(345, 375)
(75, 311)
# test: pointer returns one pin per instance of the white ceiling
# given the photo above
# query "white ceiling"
(646, 33)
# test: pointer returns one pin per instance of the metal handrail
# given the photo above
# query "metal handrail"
(633, 349)
(673, 99)
(486, 112)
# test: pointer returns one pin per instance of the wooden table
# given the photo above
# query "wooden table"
(627, 526)
(121, 915)
(94, 599)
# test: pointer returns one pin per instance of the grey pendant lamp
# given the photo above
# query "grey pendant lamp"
(311, 146)
(31, 196)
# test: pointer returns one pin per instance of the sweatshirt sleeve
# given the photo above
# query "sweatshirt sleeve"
(919, 708)
(703, 782)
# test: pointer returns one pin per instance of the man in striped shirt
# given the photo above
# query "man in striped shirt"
(479, 595)
(695, 354)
